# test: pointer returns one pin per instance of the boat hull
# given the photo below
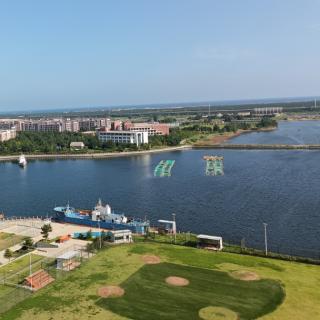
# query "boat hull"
(139, 229)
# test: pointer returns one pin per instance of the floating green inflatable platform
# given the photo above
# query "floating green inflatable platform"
(163, 169)
(214, 165)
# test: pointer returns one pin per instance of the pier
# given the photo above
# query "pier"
(261, 146)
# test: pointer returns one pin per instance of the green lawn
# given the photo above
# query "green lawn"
(147, 293)
(75, 297)
(9, 239)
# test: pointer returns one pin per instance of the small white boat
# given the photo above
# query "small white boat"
(22, 161)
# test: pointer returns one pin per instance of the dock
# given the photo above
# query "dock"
(163, 169)
(214, 165)
(260, 146)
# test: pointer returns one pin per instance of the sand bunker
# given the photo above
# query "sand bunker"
(245, 275)
(148, 259)
(177, 281)
(110, 292)
(217, 313)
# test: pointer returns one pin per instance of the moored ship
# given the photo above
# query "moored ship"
(22, 161)
(100, 217)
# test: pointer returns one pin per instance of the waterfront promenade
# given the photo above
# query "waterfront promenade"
(261, 146)
(103, 155)
(100, 155)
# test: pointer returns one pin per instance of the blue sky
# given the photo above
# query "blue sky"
(64, 53)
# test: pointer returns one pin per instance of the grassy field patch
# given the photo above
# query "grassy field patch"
(8, 240)
(76, 296)
(147, 293)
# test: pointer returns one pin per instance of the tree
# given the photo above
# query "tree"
(45, 230)
(8, 254)
(27, 243)
(267, 122)
(89, 234)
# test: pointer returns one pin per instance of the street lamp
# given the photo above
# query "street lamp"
(265, 238)
(30, 270)
(100, 242)
(175, 227)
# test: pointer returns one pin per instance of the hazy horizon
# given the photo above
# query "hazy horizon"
(80, 54)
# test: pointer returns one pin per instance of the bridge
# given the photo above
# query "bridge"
(262, 146)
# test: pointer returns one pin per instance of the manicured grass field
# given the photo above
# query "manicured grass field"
(9, 239)
(75, 297)
(147, 294)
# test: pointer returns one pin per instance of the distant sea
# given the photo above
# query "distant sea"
(213, 103)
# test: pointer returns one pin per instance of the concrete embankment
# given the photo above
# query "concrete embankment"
(91, 155)
(262, 146)
(186, 147)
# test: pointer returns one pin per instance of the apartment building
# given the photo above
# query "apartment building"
(6, 135)
(123, 137)
(152, 129)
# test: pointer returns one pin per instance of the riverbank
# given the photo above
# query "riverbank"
(92, 155)
(262, 146)
(213, 140)
(218, 139)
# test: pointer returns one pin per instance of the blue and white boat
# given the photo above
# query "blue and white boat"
(100, 217)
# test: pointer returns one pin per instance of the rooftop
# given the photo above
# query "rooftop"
(204, 236)
(69, 255)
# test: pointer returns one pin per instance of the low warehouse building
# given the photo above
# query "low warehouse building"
(120, 236)
(77, 145)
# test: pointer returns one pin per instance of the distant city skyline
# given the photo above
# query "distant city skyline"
(82, 54)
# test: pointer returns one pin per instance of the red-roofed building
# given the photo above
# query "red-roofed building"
(153, 129)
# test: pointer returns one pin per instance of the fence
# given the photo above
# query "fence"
(24, 222)
(275, 252)
(12, 287)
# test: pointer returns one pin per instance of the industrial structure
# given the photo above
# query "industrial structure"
(267, 111)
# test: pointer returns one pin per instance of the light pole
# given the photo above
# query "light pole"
(265, 238)
(175, 227)
(99, 233)
(30, 269)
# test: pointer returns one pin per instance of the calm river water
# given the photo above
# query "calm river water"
(281, 188)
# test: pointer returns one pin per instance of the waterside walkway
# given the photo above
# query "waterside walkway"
(262, 146)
